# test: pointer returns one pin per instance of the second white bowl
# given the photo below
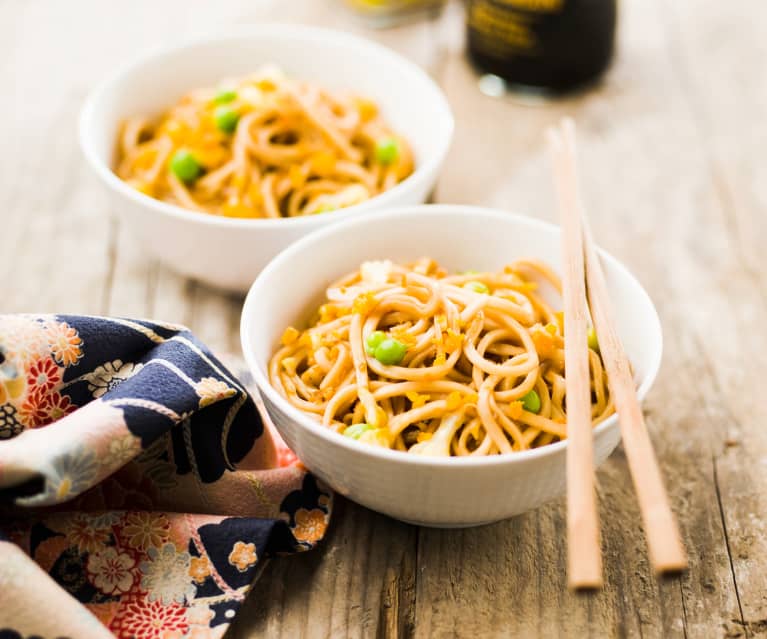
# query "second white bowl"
(229, 253)
(429, 491)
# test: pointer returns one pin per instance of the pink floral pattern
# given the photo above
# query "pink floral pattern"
(199, 569)
(64, 343)
(43, 376)
(141, 569)
(211, 390)
(40, 352)
(310, 524)
(33, 411)
(24, 339)
(56, 406)
(243, 556)
(40, 409)
(165, 574)
(111, 571)
(87, 537)
(144, 530)
(150, 620)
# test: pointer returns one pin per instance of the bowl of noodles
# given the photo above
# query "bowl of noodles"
(218, 153)
(413, 360)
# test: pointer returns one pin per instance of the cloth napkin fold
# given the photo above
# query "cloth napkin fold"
(139, 488)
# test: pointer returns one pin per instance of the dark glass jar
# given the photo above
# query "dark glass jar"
(554, 45)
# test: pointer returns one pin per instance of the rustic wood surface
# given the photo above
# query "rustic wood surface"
(672, 147)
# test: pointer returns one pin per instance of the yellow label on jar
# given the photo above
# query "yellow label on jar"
(393, 5)
(538, 6)
(499, 32)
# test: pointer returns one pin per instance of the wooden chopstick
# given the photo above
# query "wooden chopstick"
(584, 558)
(664, 543)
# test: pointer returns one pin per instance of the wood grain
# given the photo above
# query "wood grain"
(728, 125)
(676, 185)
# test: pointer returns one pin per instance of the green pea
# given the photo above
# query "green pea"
(593, 341)
(477, 287)
(355, 430)
(225, 95)
(387, 150)
(531, 402)
(390, 352)
(373, 340)
(185, 166)
(471, 271)
(326, 208)
(226, 119)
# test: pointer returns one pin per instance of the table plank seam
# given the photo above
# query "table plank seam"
(714, 458)
(727, 542)
(684, 607)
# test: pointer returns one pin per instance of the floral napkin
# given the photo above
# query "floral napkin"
(139, 488)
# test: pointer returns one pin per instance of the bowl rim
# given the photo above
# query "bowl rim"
(250, 307)
(429, 166)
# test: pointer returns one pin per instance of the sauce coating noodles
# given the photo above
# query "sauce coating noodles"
(414, 359)
(264, 146)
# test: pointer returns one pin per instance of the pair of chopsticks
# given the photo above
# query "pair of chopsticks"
(584, 284)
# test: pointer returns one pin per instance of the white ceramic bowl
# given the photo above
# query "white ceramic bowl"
(229, 253)
(429, 491)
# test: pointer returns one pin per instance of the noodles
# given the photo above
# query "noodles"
(264, 146)
(413, 359)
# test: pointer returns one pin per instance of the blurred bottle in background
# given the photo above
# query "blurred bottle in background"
(549, 45)
(386, 13)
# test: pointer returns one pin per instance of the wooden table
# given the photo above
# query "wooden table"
(673, 153)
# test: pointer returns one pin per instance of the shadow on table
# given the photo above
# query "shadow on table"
(361, 576)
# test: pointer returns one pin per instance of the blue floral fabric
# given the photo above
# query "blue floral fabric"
(139, 487)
